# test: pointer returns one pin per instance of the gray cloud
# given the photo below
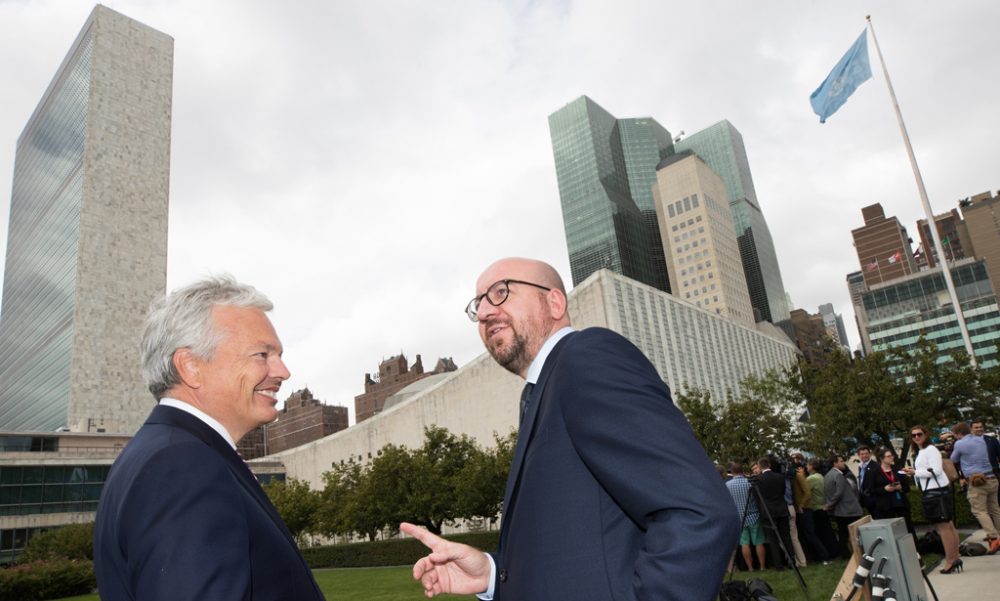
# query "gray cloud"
(362, 162)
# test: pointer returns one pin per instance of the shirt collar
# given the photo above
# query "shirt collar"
(208, 419)
(535, 369)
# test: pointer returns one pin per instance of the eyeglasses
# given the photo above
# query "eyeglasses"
(916, 434)
(495, 295)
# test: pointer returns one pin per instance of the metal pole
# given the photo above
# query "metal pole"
(931, 224)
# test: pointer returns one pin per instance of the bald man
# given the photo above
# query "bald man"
(609, 494)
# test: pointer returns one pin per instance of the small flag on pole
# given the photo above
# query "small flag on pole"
(852, 71)
(873, 265)
(895, 257)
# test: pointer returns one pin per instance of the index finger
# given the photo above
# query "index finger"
(429, 539)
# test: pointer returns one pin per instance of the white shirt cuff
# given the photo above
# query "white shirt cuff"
(488, 595)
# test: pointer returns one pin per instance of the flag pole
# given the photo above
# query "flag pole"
(932, 225)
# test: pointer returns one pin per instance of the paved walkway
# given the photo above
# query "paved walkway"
(979, 580)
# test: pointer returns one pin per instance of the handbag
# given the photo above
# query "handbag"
(936, 505)
(936, 502)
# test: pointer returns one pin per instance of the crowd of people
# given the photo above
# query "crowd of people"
(799, 511)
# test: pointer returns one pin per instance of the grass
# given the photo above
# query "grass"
(821, 580)
(396, 584)
(370, 584)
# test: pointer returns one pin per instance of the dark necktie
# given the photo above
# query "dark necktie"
(525, 395)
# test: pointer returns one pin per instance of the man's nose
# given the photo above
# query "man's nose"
(279, 369)
(486, 310)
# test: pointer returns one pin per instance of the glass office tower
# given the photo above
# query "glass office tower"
(902, 311)
(86, 246)
(606, 168)
(721, 147)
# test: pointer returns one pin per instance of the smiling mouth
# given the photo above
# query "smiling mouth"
(273, 394)
(495, 328)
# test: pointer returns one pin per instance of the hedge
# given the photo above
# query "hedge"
(75, 541)
(51, 579)
(396, 552)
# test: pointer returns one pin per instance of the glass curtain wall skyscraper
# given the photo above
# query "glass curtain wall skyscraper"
(86, 247)
(721, 147)
(606, 168)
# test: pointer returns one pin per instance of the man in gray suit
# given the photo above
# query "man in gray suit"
(842, 502)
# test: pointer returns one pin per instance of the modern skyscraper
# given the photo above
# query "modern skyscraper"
(982, 219)
(905, 309)
(87, 242)
(883, 247)
(721, 147)
(606, 168)
(856, 288)
(810, 335)
(699, 241)
(834, 324)
(954, 238)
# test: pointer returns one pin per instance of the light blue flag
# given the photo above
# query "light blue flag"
(852, 71)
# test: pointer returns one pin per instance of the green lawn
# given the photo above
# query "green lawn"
(395, 584)
(374, 584)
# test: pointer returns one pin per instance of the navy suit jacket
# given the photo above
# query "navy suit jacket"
(610, 496)
(182, 517)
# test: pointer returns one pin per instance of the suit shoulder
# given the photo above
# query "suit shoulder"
(168, 451)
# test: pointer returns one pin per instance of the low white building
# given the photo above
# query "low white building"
(689, 346)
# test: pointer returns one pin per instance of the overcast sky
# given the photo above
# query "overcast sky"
(362, 162)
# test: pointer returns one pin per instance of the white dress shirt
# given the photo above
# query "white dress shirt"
(208, 419)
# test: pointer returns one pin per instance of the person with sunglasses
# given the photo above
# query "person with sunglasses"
(928, 471)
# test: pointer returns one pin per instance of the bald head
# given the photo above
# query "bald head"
(532, 309)
(530, 270)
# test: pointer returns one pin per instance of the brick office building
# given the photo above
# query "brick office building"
(393, 375)
(303, 419)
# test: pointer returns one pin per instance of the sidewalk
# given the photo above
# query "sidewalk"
(979, 580)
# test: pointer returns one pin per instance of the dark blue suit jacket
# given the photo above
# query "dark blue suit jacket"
(182, 517)
(610, 496)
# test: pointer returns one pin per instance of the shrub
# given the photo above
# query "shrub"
(395, 552)
(75, 541)
(52, 579)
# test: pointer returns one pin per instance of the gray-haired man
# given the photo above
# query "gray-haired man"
(181, 516)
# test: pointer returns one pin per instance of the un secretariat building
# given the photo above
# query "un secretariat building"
(87, 242)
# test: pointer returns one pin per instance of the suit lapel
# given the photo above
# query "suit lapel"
(185, 421)
(526, 433)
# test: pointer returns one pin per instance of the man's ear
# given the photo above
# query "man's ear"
(188, 367)
(557, 304)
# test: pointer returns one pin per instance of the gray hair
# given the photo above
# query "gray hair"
(183, 319)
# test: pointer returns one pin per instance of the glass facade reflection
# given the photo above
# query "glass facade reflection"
(36, 318)
(900, 313)
(721, 147)
(86, 250)
(606, 168)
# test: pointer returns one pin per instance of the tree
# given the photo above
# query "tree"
(389, 484)
(696, 404)
(297, 504)
(757, 423)
(347, 504)
(482, 481)
(437, 472)
(850, 401)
